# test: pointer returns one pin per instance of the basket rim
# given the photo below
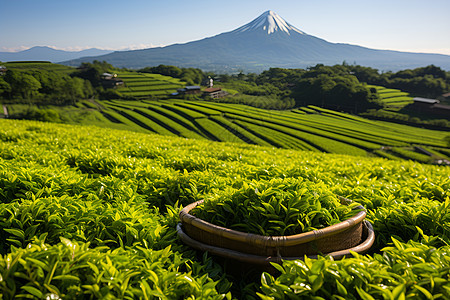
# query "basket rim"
(361, 248)
(272, 241)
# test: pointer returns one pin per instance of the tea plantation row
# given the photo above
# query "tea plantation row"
(145, 85)
(307, 128)
(311, 128)
(392, 99)
(88, 212)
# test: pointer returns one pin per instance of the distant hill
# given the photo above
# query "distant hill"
(43, 53)
(267, 41)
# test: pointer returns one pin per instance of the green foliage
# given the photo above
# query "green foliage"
(5, 87)
(93, 71)
(40, 85)
(145, 85)
(22, 84)
(409, 154)
(317, 129)
(429, 81)
(333, 87)
(265, 102)
(110, 94)
(392, 99)
(402, 271)
(281, 78)
(263, 91)
(339, 90)
(45, 115)
(164, 70)
(447, 140)
(405, 118)
(339, 86)
(72, 270)
(251, 88)
(192, 76)
(39, 65)
(92, 212)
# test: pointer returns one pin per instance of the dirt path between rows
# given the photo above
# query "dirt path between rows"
(100, 107)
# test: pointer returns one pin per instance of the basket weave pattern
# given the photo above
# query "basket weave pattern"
(344, 235)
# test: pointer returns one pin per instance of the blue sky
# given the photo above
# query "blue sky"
(405, 25)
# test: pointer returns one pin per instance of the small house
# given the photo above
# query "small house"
(431, 106)
(424, 103)
(425, 100)
(108, 76)
(111, 80)
(214, 92)
(190, 90)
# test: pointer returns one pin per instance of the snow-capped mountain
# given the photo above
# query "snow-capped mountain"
(267, 41)
(269, 22)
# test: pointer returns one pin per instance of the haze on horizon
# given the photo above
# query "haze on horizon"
(412, 26)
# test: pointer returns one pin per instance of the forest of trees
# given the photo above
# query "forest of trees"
(429, 81)
(43, 86)
(192, 76)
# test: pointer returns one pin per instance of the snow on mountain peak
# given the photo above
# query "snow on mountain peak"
(269, 22)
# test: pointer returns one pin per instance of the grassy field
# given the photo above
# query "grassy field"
(90, 212)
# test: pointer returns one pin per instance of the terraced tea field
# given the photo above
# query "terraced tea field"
(89, 212)
(392, 99)
(310, 128)
(48, 66)
(144, 85)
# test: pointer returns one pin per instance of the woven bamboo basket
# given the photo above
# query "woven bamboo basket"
(338, 240)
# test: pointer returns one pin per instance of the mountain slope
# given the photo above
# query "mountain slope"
(42, 53)
(267, 41)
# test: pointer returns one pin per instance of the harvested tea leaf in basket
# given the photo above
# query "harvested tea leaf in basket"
(276, 207)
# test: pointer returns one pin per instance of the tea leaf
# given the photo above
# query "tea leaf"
(16, 232)
(32, 290)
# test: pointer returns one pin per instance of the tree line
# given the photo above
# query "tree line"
(429, 81)
(333, 87)
(43, 86)
(192, 76)
(341, 87)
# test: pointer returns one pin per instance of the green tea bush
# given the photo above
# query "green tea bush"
(73, 270)
(85, 220)
(402, 271)
(410, 221)
(87, 212)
